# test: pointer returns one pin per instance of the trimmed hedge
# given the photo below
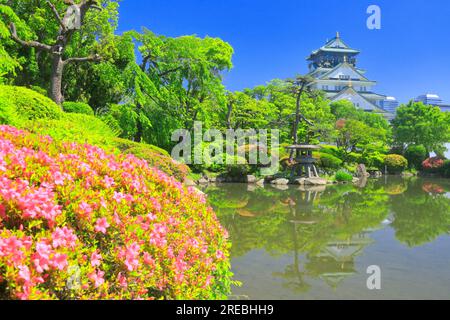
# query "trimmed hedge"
(343, 176)
(328, 161)
(19, 104)
(75, 127)
(395, 163)
(78, 107)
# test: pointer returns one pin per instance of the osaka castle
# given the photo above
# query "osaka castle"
(334, 68)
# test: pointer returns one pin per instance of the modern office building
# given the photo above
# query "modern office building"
(390, 104)
(430, 99)
(334, 67)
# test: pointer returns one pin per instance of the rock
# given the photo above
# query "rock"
(189, 183)
(315, 182)
(356, 180)
(407, 175)
(281, 187)
(261, 182)
(203, 181)
(213, 179)
(221, 180)
(280, 182)
(251, 179)
(299, 182)
(361, 171)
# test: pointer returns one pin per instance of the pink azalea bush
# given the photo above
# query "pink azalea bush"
(433, 164)
(79, 223)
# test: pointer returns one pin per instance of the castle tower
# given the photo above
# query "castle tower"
(334, 67)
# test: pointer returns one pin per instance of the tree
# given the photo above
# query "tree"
(56, 38)
(298, 86)
(245, 112)
(283, 99)
(188, 71)
(354, 135)
(419, 124)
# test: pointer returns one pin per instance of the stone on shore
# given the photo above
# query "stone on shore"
(251, 179)
(203, 181)
(280, 182)
(189, 183)
(316, 182)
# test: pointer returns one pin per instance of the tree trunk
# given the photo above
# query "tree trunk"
(56, 79)
(229, 113)
(297, 122)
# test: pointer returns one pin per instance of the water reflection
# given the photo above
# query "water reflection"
(322, 230)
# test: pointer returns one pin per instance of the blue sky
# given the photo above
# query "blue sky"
(410, 55)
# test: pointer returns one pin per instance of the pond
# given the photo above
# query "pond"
(318, 243)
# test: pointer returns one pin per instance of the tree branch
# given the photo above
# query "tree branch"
(58, 17)
(165, 73)
(93, 58)
(29, 44)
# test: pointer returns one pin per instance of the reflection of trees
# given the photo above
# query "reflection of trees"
(325, 229)
(305, 223)
(420, 217)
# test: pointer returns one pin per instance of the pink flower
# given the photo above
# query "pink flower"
(148, 260)
(108, 182)
(59, 261)
(97, 278)
(85, 208)
(101, 226)
(122, 280)
(96, 259)
(220, 255)
(131, 256)
(24, 273)
(64, 237)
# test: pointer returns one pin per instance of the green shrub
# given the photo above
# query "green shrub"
(343, 176)
(18, 104)
(159, 158)
(353, 157)
(78, 107)
(446, 169)
(238, 169)
(416, 155)
(328, 161)
(373, 160)
(395, 163)
(332, 150)
(77, 128)
(127, 119)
